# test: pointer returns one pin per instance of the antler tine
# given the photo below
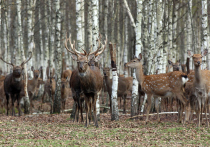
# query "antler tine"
(24, 62)
(6, 61)
(102, 48)
(65, 43)
(73, 47)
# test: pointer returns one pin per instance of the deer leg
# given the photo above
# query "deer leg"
(87, 111)
(7, 99)
(18, 105)
(148, 106)
(180, 96)
(77, 111)
(81, 111)
(157, 108)
(207, 122)
(94, 110)
(124, 103)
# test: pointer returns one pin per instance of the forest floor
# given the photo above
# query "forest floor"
(60, 130)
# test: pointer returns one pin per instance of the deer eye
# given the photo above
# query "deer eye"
(134, 61)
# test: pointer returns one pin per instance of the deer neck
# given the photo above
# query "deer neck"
(108, 81)
(198, 78)
(140, 74)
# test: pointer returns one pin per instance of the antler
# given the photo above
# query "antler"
(24, 62)
(73, 47)
(100, 50)
(6, 61)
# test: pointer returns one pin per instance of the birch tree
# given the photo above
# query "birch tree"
(58, 59)
(204, 40)
(95, 31)
(138, 46)
(80, 23)
(30, 21)
(115, 111)
(20, 46)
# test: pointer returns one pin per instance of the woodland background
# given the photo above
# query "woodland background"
(160, 30)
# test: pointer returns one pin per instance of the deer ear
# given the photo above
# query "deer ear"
(97, 58)
(91, 57)
(74, 57)
(205, 52)
(169, 62)
(189, 54)
(140, 56)
(40, 69)
(32, 68)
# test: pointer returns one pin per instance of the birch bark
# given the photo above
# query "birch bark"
(58, 59)
(20, 46)
(95, 31)
(204, 40)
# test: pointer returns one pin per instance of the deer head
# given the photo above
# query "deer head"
(176, 66)
(65, 82)
(197, 58)
(36, 72)
(83, 58)
(17, 70)
(136, 62)
(106, 71)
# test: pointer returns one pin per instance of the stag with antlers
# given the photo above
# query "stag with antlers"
(91, 80)
(13, 84)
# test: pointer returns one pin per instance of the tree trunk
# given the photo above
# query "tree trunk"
(115, 111)
(204, 22)
(95, 31)
(20, 46)
(58, 59)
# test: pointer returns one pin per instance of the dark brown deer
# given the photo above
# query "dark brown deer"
(67, 74)
(65, 92)
(124, 85)
(161, 85)
(200, 89)
(91, 80)
(77, 94)
(13, 84)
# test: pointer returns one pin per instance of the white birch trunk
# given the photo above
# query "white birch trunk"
(204, 40)
(20, 46)
(189, 31)
(174, 32)
(106, 52)
(125, 54)
(95, 31)
(170, 42)
(115, 111)
(30, 21)
(159, 37)
(80, 23)
(5, 40)
(90, 23)
(46, 54)
(118, 40)
(1, 51)
(138, 45)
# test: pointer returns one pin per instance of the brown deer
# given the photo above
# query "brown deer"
(65, 92)
(67, 74)
(173, 66)
(77, 93)
(200, 89)
(161, 85)
(91, 80)
(124, 85)
(13, 84)
(49, 88)
(32, 85)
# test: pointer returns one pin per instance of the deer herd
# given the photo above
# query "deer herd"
(191, 88)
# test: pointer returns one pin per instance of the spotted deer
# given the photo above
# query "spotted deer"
(161, 85)
(13, 84)
(91, 80)
(200, 92)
